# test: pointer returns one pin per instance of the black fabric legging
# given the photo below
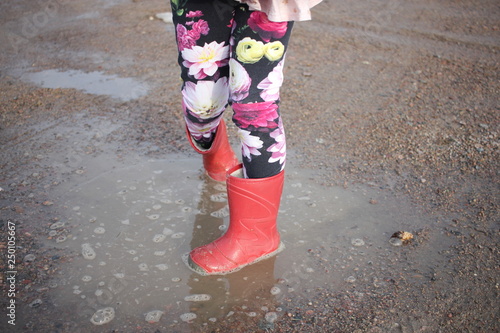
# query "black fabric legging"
(231, 55)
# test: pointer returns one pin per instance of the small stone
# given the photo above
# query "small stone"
(35, 303)
(29, 258)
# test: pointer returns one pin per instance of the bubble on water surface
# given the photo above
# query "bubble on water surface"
(103, 316)
(221, 213)
(88, 252)
(158, 238)
(153, 316)
(357, 242)
(395, 241)
(57, 225)
(271, 317)
(61, 239)
(188, 316)
(198, 298)
(167, 231)
(275, 290)
(162, 267)
(350, 279)
(219, 197)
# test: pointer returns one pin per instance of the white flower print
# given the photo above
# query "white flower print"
(206, 99)
(200, 130)
(278, 149)
(239, 81)
(205, 61)
(250, 144)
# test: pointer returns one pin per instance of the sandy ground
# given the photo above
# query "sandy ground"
(396, 95)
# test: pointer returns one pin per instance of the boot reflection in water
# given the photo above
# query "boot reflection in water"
(233, 54)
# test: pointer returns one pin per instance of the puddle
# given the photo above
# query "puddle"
(132, 226)
(97, 83)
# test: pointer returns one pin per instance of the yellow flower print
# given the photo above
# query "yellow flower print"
(274, 50)
(249, 51)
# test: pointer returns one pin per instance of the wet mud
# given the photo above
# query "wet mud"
(391, 111)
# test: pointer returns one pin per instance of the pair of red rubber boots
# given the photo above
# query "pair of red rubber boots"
(252, 234)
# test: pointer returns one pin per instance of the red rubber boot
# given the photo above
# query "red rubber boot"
(220, 157)
(252, 234)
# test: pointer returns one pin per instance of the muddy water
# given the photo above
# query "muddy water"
(131, 226)
(97, 83)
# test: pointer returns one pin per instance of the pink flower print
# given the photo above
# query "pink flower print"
(278, 149)
(239, 81)
(272, 83)
(266, 29)
(250, 144)
(197, 13)
(205, 61)
(258, 115)
(200, 27)
(184, 39)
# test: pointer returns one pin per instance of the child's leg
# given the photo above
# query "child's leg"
(256, 75)
(203, 29)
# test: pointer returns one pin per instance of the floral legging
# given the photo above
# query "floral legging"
(231, 55)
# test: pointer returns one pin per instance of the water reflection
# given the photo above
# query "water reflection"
(141, 219)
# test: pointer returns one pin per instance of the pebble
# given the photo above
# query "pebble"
(99, 230)
(29, 258)
(35, 303)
